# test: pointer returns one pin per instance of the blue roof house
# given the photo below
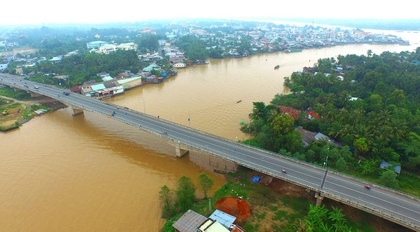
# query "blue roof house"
(384, 164)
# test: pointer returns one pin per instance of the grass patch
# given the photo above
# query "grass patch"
(11, 93)
(408, 183)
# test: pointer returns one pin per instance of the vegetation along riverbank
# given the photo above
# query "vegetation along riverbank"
(359, 113)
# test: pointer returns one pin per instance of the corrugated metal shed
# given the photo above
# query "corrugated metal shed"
(189, 222)
(97, 87)
(223, 218)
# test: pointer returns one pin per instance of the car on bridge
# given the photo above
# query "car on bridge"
(66, 93)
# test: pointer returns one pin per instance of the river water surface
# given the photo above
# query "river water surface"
(91, 173)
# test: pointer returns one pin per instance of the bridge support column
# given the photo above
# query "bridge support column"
(178, 151)
(76, 110)
(319, 198)
(35, 95)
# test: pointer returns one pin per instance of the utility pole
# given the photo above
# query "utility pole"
(318, 195)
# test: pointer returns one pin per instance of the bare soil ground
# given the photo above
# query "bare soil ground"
(235, 206)
(15, 114)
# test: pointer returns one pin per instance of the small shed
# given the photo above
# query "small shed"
(223, 218)
(384, 164)
(189, 222)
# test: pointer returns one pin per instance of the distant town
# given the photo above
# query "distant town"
(29, 51)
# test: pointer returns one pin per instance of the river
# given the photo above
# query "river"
(90, 173)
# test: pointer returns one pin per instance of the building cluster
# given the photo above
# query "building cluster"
(231, 38)
(103, 47)
(269, 37)
(110, 86)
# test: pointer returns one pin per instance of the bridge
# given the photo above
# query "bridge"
(383, 202)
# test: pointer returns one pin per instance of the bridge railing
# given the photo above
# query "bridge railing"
(388, 216)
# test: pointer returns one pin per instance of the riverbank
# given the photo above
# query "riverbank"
(281, 206)
(15, 113)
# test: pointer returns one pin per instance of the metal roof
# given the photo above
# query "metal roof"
(189, 222)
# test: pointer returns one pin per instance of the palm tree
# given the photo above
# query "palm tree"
(398, 128)
(337, 217)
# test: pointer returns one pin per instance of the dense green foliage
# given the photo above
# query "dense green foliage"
(83, 67)
(11, 93)
(185, 193)
(321, 219)
(195, 49)
(372, 113)
(181, 199)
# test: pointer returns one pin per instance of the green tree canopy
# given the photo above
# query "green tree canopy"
(185, 193)
(205, 183)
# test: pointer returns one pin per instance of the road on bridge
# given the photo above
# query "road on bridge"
(389, 204)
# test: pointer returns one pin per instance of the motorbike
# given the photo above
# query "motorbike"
(284, 171)
(367, 187)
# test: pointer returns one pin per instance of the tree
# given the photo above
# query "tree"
(369, 167)
(282, 124)
(389, 178)
(338, 219)
(361, 146)
(258, 111)
(205, 183)
(185, 193)
(316, 218)
(341, 164)
(167, 200)
(375, 102)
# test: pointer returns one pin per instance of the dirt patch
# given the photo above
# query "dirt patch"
(236, 207)
(15, 114)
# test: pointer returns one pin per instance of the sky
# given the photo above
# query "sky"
(88, 11)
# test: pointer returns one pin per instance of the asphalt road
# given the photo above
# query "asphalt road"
(394, 206)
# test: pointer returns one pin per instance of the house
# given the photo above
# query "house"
(189, 222)
(290, 111)
(56, 59)
(415, 62)
(107, 48)
(312, 114)
(128, 46)
(225, 219)
(211, 225)
(308, 137)
(180, 65)
(3, 66)
(218, 221)
(95, 44)
(384, 164)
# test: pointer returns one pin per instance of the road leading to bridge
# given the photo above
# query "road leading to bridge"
(389, 204)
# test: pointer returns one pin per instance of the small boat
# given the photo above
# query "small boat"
(239, 101)
(276, 67)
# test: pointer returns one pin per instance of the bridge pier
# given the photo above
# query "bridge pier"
(35, 95)
(213, 163)
(76, 110)
(319, 198)
(179, 152)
